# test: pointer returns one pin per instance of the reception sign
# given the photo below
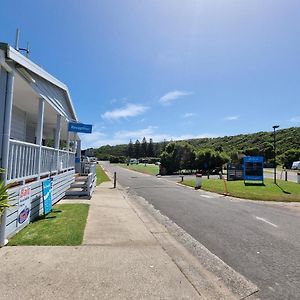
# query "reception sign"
(79, 127)
(24, 206)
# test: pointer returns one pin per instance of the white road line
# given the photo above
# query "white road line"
(206, 196)
(266, 221)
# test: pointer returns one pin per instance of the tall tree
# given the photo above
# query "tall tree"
(144, 148)
(137, 149)
(150, 149)
(130, 151)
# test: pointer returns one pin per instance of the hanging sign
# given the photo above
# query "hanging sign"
(24, 205)
(79, 127)
(47, 195)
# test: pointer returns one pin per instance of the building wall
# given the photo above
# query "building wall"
(18, 124)
(61, 183)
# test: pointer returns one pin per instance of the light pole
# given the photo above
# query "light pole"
(274, 135)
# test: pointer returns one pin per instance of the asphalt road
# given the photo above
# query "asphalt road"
(261, 241)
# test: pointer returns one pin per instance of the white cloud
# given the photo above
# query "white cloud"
(130, 110)
(231, 118)
(136, 134)
(295, 119)
(173, 95)
(188, 115)
(98, 138)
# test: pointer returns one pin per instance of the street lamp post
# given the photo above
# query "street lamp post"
(274, 135)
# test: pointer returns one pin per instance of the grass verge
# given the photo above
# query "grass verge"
(142, 168)
(282, 191)
(64, 226)
(101, 175)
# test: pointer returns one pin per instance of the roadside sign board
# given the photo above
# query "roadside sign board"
(79, 127)
(254, 168)
(47, 195)
(24, 206)
(235, 172)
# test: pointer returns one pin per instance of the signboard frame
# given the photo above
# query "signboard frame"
(254, 168)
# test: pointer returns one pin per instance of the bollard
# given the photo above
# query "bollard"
(115, 179)
(285, 175)
(198, 181)
(298, 177)
(181, 178)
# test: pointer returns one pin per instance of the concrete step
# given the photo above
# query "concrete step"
(78, 185)
(81, 179)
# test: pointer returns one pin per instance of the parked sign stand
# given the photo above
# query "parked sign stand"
(47, 196)
(24, 206)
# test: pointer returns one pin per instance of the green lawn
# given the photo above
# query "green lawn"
(283, 191)
(101, 175)
(148, 169)
(63, 226)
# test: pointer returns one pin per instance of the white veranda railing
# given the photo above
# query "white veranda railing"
(23, 160)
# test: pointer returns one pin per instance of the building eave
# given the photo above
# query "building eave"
(17, 57)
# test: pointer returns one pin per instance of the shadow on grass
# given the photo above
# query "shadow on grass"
(46, 217)
(254, 184)
(285, 192)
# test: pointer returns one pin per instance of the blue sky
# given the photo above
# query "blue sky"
(167, 69)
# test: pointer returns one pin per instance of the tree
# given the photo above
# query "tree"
(208, 159)
(130, 149)
(254, 151)
(150, 149)
(289, 156)
(178, 156)
(144, 148)
(137, 149)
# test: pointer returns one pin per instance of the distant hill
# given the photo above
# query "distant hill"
(285, 140)
(260, 143)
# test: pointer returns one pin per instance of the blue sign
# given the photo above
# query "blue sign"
(254, 168)
(79, 127)
(47, 195)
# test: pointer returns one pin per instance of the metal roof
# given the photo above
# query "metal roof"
(42, 82)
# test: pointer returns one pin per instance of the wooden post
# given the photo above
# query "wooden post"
(115, 179)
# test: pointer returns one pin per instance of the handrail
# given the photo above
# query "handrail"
(23, 143)
(37, 146)
(24, 162)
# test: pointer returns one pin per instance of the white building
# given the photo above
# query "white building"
(35, 109)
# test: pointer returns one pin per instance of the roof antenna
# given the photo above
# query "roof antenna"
(17, 44)
(17, 39)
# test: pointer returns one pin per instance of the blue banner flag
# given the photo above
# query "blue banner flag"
(47, 195)
(79, 127)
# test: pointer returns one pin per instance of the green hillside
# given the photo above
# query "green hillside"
(260, 143)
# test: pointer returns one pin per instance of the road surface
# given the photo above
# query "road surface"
(261, 241)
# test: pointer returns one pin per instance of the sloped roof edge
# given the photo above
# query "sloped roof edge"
(16, 56)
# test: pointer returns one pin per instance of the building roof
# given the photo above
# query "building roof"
(39, 76)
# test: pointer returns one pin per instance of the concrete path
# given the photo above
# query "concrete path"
(126, 254)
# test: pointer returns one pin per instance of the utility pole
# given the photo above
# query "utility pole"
(274, 136)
